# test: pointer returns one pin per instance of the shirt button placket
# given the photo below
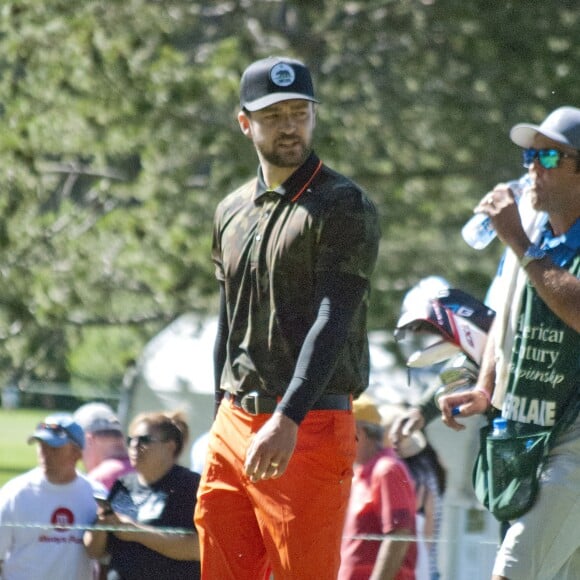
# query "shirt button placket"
(258, 250)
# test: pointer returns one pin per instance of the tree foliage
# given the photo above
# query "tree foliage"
(119, 137)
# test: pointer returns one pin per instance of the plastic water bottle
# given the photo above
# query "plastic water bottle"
(478, 232)
(500, 428)
(500, 456)
(509, 465)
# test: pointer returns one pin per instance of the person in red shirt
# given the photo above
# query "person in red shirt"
(382, 502)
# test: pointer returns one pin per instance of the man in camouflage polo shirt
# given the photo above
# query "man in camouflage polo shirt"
(294, 251)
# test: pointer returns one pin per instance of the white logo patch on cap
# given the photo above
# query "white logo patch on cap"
(282, 74)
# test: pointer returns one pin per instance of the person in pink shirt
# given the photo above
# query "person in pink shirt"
(382, 503)
(105, 453)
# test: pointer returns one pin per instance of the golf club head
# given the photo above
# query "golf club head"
(459, 374)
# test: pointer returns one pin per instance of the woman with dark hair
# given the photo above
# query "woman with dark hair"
(152, 508)
(430, 481)
(430, 478)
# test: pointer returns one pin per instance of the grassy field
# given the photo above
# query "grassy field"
(16, 456)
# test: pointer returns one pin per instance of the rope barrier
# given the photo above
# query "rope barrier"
(401, 538)
(185, 531)
(98, 528)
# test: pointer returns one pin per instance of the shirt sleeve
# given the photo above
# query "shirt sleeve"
(5, 518)
(427, 405)
(350, 236)
(394, 491)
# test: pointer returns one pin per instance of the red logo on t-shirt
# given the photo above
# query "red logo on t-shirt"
(62, 517)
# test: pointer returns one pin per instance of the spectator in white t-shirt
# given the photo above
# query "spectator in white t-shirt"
(43, 510)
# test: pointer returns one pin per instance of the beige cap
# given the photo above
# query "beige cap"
(365, 409)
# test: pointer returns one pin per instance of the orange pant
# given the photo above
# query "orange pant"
(291, 525)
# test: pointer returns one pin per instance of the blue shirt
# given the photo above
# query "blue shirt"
(561, 249)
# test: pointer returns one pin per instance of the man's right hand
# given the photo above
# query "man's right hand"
(463, 404)
(271, 448)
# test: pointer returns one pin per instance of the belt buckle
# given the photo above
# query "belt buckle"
(256, 404)
(249, 403)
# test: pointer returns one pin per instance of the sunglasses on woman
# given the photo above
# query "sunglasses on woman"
(548, 158)
(144, 440)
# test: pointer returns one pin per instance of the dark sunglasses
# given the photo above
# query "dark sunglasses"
(548, 158)
(144, 440)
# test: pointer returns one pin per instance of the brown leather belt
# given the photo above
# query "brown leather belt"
(258, 403)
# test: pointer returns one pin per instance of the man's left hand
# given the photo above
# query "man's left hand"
(271, 448)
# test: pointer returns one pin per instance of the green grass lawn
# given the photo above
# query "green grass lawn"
(16, 425)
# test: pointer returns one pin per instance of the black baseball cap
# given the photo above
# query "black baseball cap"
(275, 79)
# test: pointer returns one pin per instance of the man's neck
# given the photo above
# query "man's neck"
(61, 477)
(562, 223)
(276, 176)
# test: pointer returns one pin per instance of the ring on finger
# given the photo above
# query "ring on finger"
(274, 464)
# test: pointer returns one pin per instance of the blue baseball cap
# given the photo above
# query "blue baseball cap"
(58, 430)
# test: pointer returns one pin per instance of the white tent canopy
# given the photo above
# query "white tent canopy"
(182, 353)
(175, 372)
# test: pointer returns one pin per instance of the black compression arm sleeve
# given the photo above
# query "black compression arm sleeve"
(219, 350)
(338, 296)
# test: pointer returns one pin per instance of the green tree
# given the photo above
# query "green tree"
(119, 136)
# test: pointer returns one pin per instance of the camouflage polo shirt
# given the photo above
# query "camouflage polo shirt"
(268, 248)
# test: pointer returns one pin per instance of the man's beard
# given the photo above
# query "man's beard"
(285, 158)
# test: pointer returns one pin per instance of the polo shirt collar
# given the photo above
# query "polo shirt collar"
(564, 247)
(293, 184)
(571, 238)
